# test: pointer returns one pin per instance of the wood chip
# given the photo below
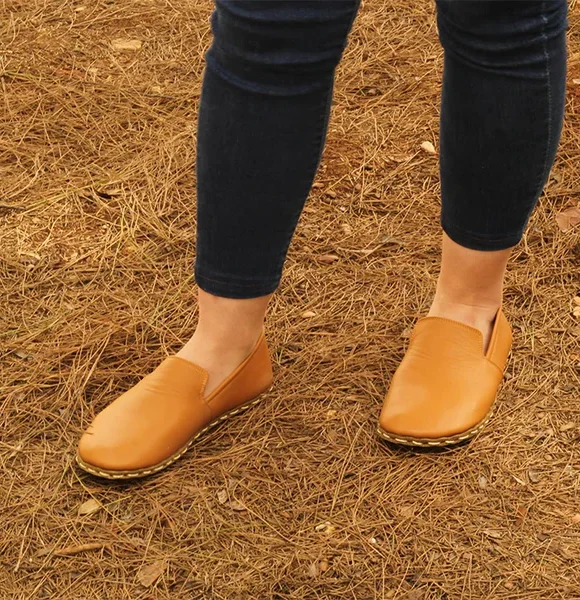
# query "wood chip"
(70, 550)
(126, 44)
(328, 259)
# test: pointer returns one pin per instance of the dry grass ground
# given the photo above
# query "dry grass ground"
(296, 500)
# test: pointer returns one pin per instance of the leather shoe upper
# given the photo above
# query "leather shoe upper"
(157, 417)
(445, 384)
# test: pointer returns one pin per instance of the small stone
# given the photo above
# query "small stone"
(428, 147)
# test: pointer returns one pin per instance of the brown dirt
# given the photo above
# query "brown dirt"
(96, 251)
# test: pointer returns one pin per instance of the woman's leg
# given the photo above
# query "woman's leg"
(262, 125)
(501, 116)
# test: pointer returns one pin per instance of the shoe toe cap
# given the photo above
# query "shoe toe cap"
(100, 452)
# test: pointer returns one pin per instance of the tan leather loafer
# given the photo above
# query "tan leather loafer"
(445, 387)
(154, 423)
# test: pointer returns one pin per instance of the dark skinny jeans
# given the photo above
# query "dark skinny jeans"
(264, 112)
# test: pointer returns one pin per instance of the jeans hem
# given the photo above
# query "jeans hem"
(479, 242)
(225, 287)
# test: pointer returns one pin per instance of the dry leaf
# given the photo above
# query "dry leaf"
(328, 258)
(331, 193)
(125, 44)
(238, 506)
(569, 218)
(576, 311)
(428, 147)
(222, 496)
(313, 570)
(317, 185)
(493, 533)
(89, 507)
(522, 512)
(326, 527)
(323, 566)
(482, 482)
(576, 300)
(576, 81)
(534, 476)
(576, 518)
(570, 424)
(148, 575)
(308, 314)
(331, 413)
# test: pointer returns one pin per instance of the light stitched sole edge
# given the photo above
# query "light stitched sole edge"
(119, 475)
(451, 440)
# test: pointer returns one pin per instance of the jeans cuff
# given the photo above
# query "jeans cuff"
(227, 287)
(481, 242)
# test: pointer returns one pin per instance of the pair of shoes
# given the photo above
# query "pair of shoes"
(442, 393)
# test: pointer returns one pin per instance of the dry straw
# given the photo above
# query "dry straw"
(297, 499)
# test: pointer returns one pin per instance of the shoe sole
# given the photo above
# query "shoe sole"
(138, 473)
(451, 440)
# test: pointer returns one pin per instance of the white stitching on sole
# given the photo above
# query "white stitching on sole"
(143, 473)
(439, 442)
